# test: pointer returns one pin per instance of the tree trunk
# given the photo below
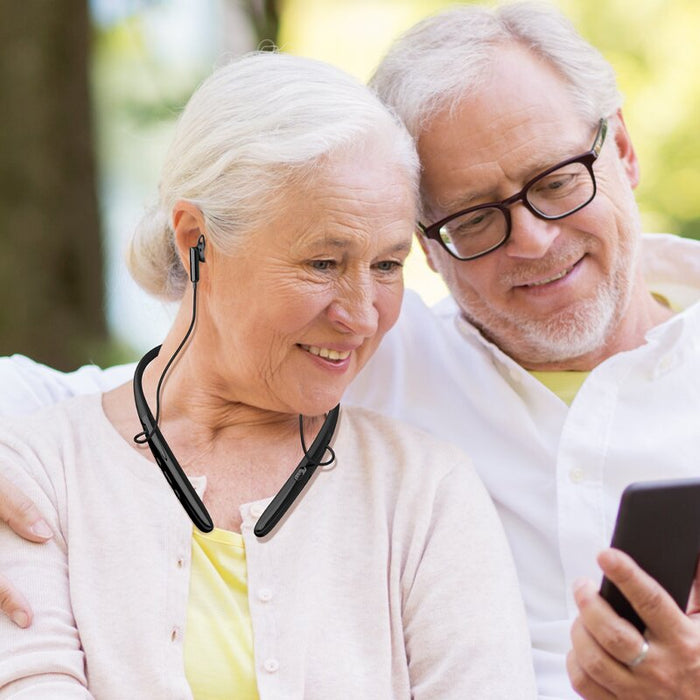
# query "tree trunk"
(51, 298)
(264, 16)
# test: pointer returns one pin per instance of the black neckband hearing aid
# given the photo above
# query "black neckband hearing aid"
(164, 456)
(169, 465)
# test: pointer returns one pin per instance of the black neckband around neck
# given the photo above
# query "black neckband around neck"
(184, 490)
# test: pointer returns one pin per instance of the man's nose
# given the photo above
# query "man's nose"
(530, 235)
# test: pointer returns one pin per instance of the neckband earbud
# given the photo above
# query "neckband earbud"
(184, 490)
(164, 456)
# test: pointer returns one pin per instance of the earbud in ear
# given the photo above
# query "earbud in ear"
(196, 257)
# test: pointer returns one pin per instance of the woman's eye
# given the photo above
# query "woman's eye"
(388, 265)
(322, 265)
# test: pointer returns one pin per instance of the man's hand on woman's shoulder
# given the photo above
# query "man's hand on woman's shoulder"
(20, 513)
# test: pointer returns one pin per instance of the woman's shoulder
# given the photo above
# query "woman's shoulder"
(400, 447)
(60, 418)
(412, 477)
(358, 418)
(36, 441)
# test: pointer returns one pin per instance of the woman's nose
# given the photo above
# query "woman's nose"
(353, 310)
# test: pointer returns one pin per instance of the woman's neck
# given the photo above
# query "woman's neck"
(245, 454)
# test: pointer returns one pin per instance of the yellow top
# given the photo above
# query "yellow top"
(565, 384)
(218, 649)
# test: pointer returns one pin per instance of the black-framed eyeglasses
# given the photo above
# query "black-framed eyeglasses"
(553, 194)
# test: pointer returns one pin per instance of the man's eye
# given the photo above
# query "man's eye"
(475, 221)
(322, 265)
(557, 183)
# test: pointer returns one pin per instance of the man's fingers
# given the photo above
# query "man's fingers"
(652, 603)
(618, 637)
(14, 604)
(582, 683)
(20, 513)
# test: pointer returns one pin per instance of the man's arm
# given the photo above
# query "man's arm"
(28, 385)
(611, 659)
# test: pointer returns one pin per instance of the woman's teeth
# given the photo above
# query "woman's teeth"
(326, 353)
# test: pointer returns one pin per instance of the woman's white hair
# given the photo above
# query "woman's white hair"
(256, 126)
(443, 59)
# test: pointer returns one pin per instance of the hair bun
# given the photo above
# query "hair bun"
(157, 273)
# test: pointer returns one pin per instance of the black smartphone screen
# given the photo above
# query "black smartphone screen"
(658, 525)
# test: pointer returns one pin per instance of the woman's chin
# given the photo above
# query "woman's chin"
(318, 405)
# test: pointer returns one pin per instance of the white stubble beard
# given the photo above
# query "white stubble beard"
(571, 333)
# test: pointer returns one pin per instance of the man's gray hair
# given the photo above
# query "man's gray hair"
(443, 59)
(255, 127)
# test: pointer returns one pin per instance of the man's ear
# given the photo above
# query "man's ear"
(188, 223)
(625, 149)
(427, 251)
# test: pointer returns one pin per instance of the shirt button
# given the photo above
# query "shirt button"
(271, 665)
(265, 595)
(174, 634)
(256, 510)
(180, 562)
(576, 474)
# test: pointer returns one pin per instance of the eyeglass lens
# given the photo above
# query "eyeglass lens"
(554, 195)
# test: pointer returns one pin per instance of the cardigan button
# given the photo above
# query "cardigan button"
(271, 665)
(265, 595)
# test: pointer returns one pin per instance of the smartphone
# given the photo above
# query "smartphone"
(658, 525)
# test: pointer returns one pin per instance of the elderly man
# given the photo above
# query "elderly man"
(565, 361)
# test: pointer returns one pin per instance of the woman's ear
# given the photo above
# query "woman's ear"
(625, 149)
(188, 223)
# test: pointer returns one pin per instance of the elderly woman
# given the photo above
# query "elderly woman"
(285, 214)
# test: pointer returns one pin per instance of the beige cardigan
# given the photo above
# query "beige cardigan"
(390, 578)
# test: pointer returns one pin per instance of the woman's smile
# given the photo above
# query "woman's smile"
(327, 353)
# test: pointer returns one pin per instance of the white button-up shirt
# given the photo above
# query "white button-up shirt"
(556, 472)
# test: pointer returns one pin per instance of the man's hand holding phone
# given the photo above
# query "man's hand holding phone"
(634, 639)
(605, 660)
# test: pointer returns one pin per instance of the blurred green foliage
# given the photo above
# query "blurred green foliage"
(654, 48)
(652, 44)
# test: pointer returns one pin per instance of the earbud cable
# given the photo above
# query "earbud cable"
(142, 437)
